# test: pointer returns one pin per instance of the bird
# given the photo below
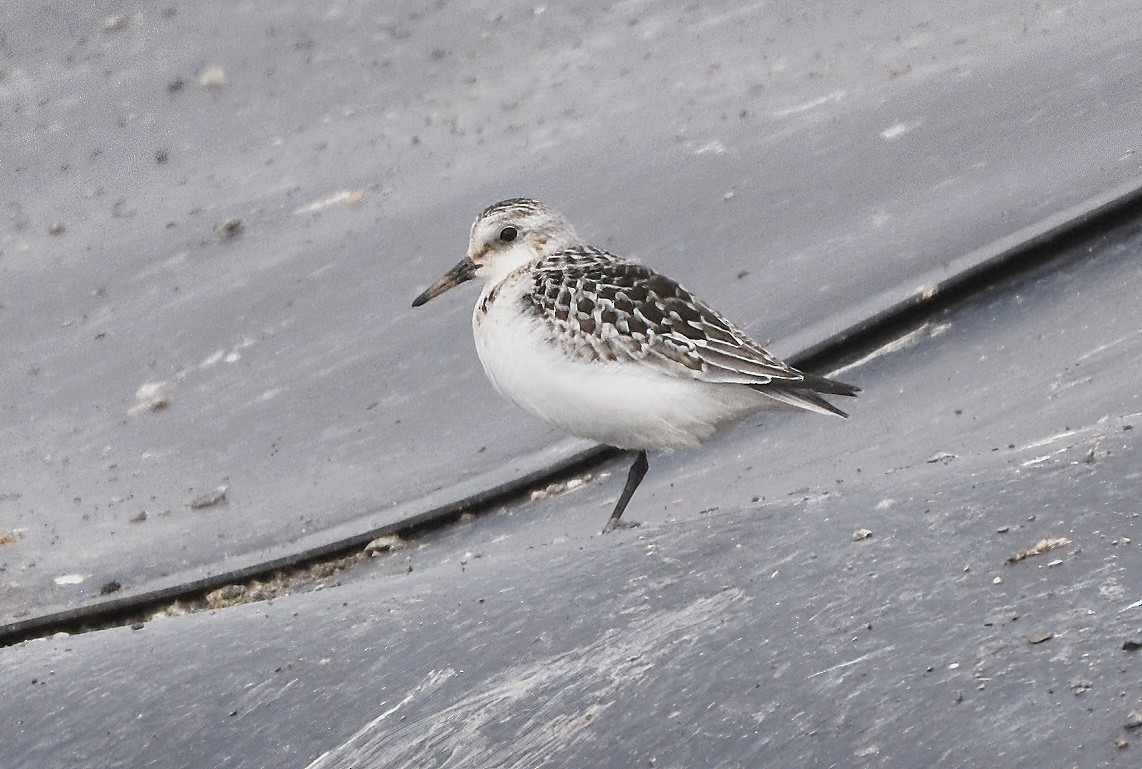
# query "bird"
(609, 350)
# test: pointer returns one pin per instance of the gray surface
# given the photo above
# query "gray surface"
(868, 153)
(756, 634)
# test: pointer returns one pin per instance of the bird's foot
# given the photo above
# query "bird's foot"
(618, 523)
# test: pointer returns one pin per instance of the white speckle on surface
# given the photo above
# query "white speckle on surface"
(115, 23)
(213, 358)
(69, 579)
(233, 357)
(715, 147)
(151, 396)
(884, 504)
(348, 197)
(213, 76)
(833, 97)
(1048, 440)
(898, 130)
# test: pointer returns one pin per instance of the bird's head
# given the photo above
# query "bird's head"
(506, 236)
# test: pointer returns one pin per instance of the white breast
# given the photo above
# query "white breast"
(619, 403)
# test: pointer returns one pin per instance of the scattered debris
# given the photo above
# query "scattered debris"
(213, 77)
(943, 458)
(267, 588)
(227, 595)
(57, 228)
(161, 156)
(861, 534)
(1040, 547)
(142, 516)
(9, 538)
(1121, 744)
(209, 499)
(1081, 686)
(386, 543)
(111, 587)
(561, 487)
(1039, 636)
(1131, 645)
(1134, 720)
(228, 228)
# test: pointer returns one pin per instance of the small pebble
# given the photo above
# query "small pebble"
(861, 534)
(228, 229)
(1040, 636)
(386, 543)
(1134, 720)
(209, 499)
(115, 23)
(213, 77)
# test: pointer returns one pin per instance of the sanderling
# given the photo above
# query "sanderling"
(610, 350)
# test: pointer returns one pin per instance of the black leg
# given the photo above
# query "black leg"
(634, 478)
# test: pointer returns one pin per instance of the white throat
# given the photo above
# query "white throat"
(507, 262)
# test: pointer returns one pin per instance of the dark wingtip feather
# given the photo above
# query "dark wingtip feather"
(823, 385)
(800, 397)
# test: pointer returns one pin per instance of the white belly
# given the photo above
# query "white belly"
(623, 404)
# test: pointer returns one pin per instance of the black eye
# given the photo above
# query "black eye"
(507, 234)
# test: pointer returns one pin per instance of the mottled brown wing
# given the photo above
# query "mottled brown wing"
(601, 307)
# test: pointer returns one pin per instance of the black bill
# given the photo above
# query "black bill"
(462, 272)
